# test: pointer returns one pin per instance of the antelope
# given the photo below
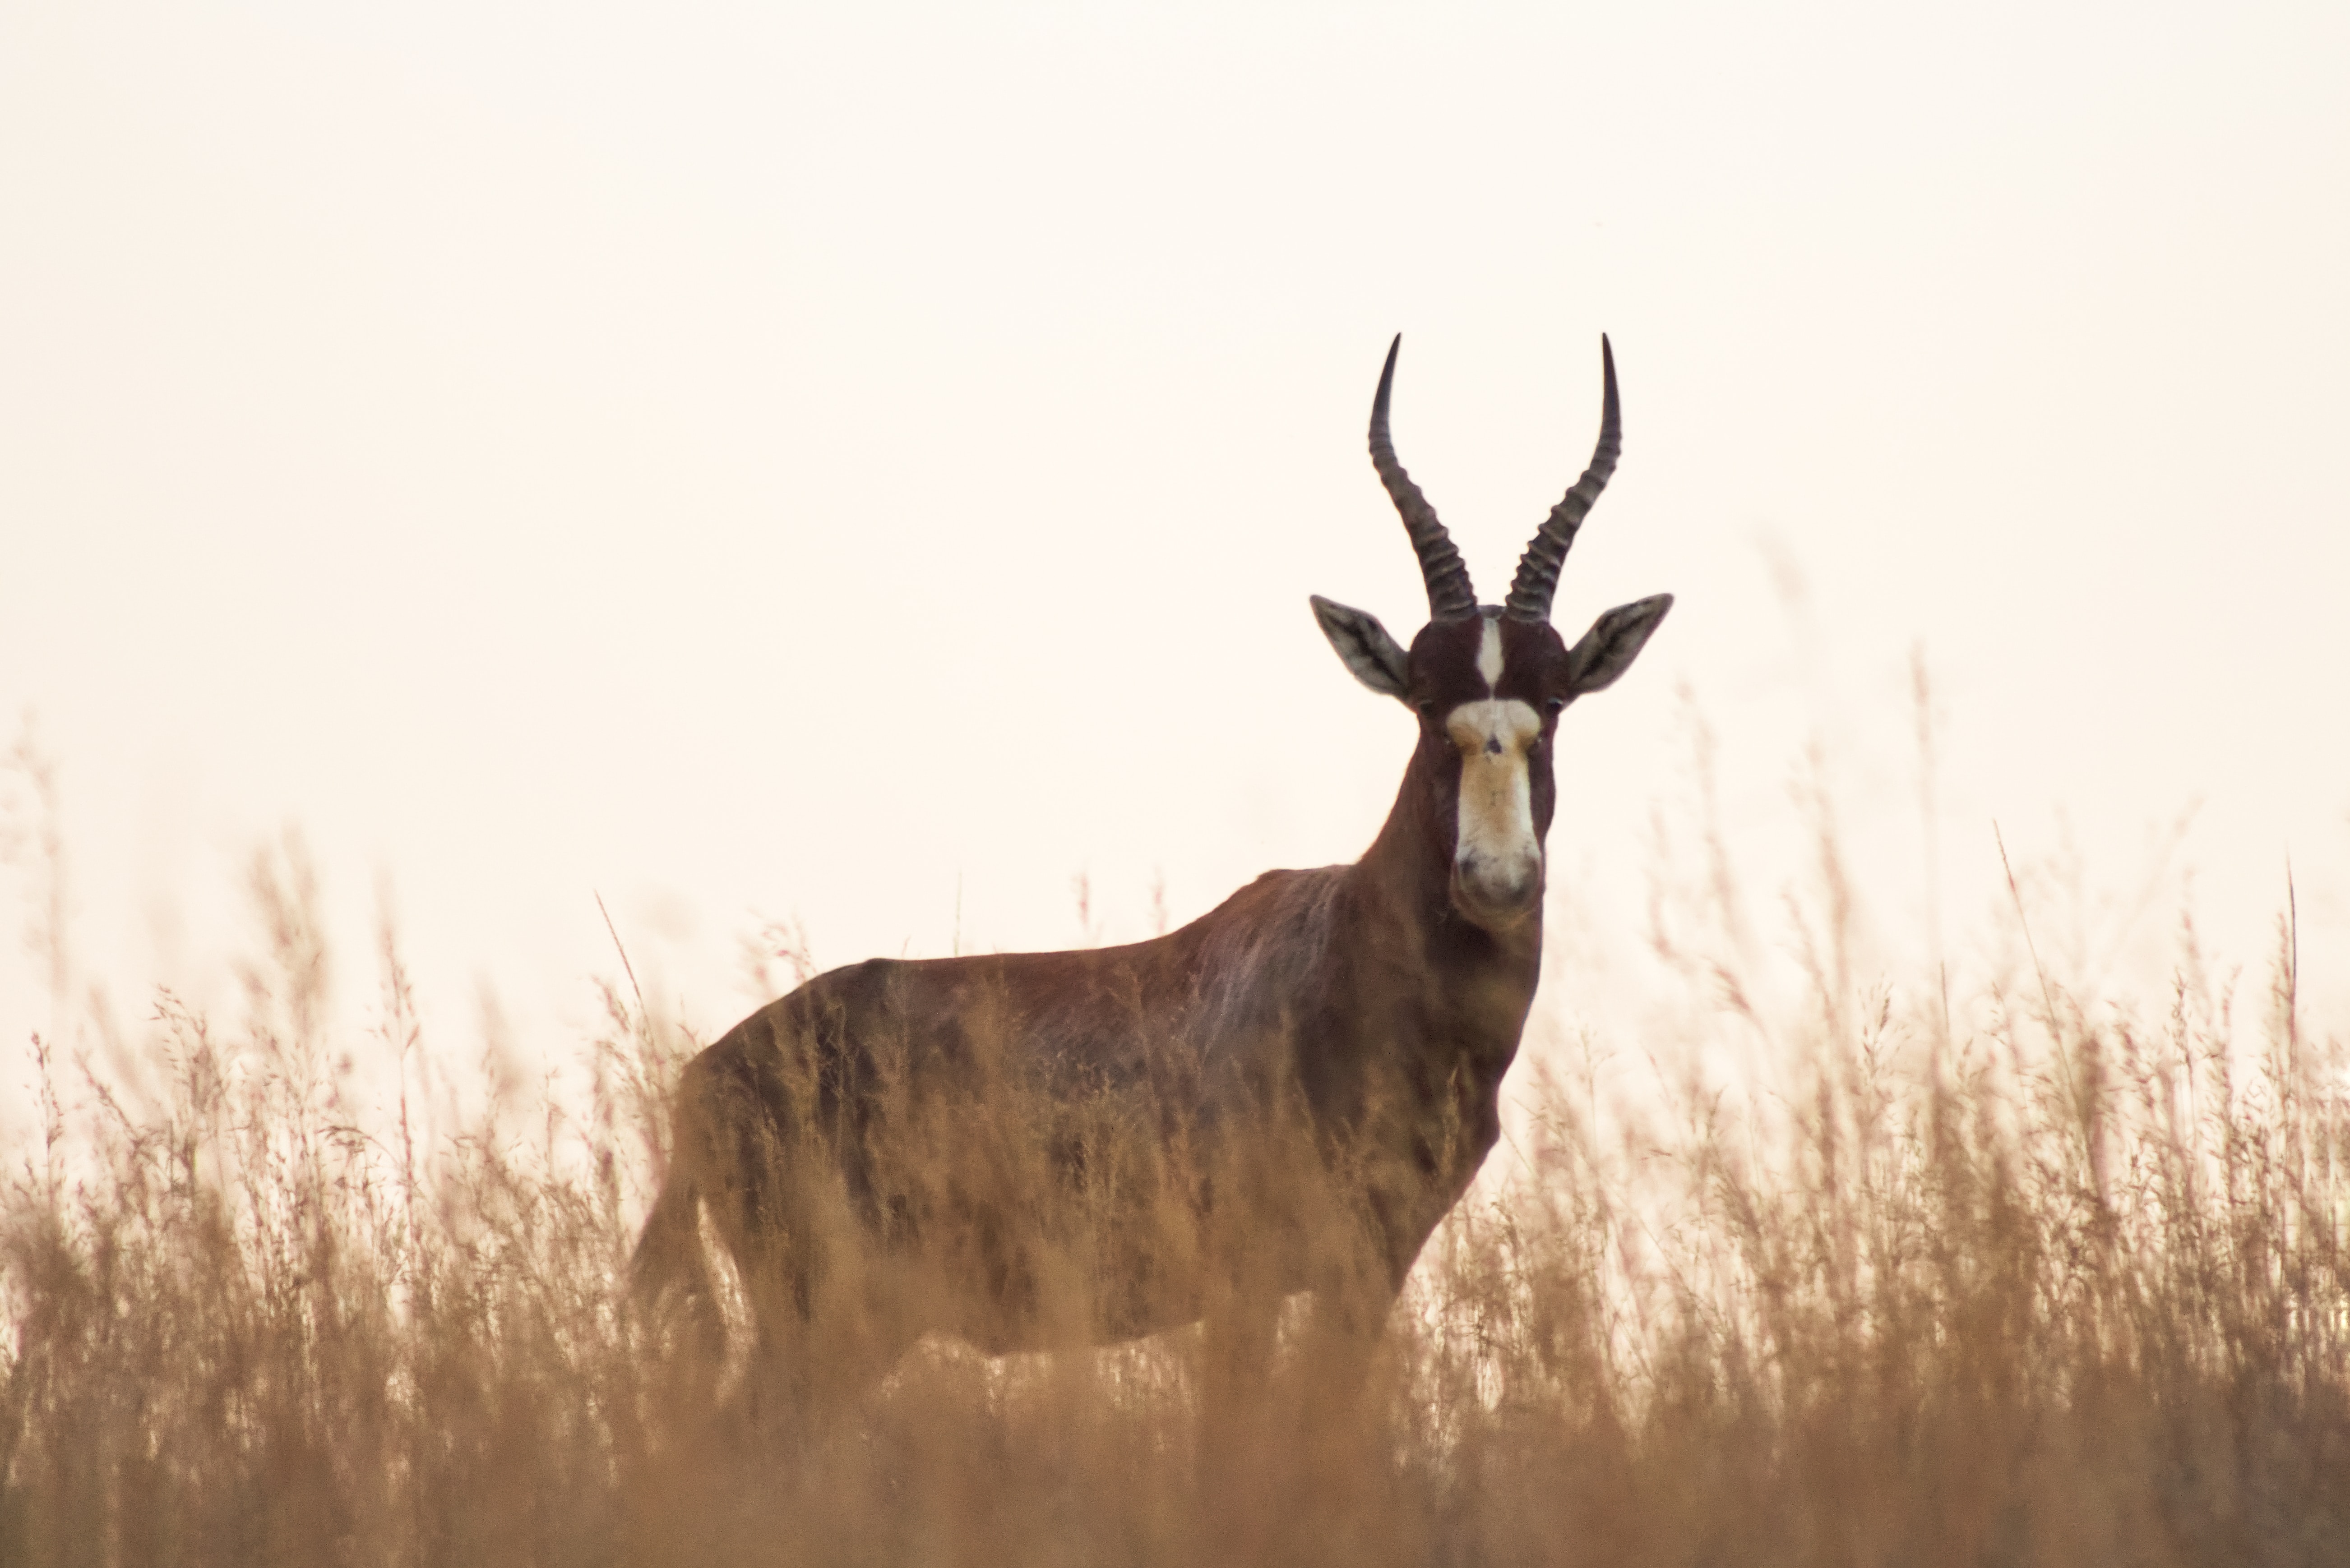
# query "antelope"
(1050, 1149)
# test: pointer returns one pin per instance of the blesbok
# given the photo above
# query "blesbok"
(1038, 1150)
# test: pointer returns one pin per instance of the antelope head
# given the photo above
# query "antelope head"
(1488, 682)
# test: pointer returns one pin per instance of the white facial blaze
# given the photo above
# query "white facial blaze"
(1489, 653)
(1495, 854)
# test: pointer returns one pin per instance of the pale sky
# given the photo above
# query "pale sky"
(869, 462)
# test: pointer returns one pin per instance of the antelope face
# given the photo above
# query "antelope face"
(1491, 734)
(1487, 691)
(1488, 682)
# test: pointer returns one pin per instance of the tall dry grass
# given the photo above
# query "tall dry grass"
(2046, 1285)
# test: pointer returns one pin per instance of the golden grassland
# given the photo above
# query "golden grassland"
(2051, 1286)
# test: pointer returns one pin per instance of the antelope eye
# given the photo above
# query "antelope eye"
(1554, 705)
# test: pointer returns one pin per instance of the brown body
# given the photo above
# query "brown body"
(1037, 1149)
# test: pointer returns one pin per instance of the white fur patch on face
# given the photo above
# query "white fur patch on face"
(1495, 853)
(1489, 653)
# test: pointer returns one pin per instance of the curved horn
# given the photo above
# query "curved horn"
(1538, 567)
(1449, 596)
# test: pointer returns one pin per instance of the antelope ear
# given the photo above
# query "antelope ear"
(1374, 658)
(1614, 640)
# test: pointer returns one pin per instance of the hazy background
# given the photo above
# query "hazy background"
(869, 462)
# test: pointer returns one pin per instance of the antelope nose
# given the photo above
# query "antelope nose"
(1498, 886)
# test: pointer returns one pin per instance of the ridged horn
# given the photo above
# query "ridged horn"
(1537, 577)
(1449, 596)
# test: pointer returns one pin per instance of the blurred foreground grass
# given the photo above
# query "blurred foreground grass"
(2053, 1287)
